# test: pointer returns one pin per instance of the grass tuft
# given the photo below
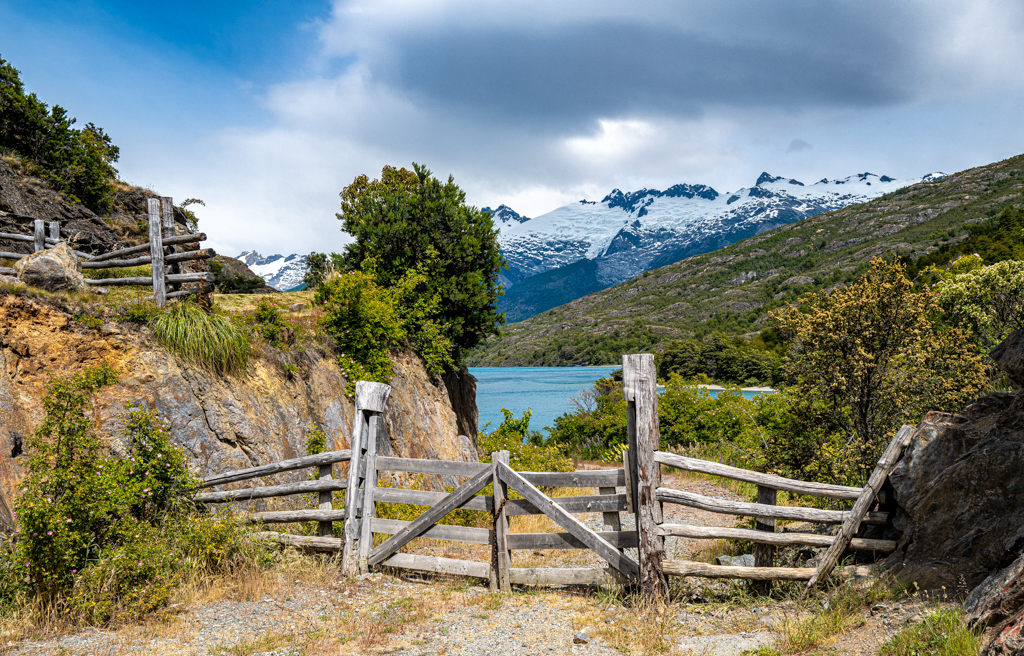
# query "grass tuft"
(202, 339)
(942, 633)
(143, 271)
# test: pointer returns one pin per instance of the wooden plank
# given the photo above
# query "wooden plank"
(303, 487)
(276, 468)
(426, 498)
(430, 517)
(611, 519)
(581, 478)
(501, 561)
(618, 539)
(689, 568)
(371, 396)
(585, 504)
(764, 553)
(156, 253)
(421, 466)
(746, 509)
(350, 558)
(374, 422)
(53, 232)
(12, 236)
(184, 256)
(469, 534)
(560, 576)
(39, 241)
(325, 500)
(142, 280)
(859, 512)
(778, 539)
(640, 385)
(588, 537)
(440, 565)
(142, 248)
(309, 541)
(8, 271)
(8, 255)
(757, 478)
(628, 481)
(289, 516)
(188, 292)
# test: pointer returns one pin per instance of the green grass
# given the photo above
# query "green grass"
(143, 271)
(943, 633)
(207, 340)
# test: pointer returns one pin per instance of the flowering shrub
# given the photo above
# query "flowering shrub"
(100, 537)
(527, 449)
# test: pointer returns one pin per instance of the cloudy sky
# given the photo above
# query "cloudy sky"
(267, 109)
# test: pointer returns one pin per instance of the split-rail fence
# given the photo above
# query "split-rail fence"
(642, 495)
(165, 252)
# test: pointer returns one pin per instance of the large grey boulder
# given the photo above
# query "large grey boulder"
(56, 269)
(1009, 356)
(959, 489)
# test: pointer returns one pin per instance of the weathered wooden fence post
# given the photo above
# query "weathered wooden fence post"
(54, 228)
(764, 554)
(640, 387)
(40, 236)
(167, 226)
(156, 252)
(370, 400)
(501, 561)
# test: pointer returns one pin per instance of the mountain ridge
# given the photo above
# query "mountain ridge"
(733, 288)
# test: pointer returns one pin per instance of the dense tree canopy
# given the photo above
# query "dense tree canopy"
(411, 220)
(79, 163)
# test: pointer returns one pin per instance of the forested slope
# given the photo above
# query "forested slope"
(733, 289)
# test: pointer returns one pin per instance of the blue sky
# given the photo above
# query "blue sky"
(267, 109)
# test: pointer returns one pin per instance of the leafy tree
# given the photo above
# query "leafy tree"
(725, 360)
(867, 358)
(79, 163)
(410, 219)
(988, 301)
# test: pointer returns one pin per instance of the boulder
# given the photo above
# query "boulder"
(959, 491)
(54, 270)
(998, 599)
(1009, 356)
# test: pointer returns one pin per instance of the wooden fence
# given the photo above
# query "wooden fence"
(643, 496)
(165, 252)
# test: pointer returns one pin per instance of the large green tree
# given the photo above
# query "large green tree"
(409, 219)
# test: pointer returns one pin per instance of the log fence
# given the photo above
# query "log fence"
(367, 541)
(165, 251)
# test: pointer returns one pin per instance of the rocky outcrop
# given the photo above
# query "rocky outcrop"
(223, 423)
(960, 493)
(55, 269)
(997, 605)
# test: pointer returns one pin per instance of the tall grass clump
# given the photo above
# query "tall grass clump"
(143, 271)
(942, 633)
(206, 340)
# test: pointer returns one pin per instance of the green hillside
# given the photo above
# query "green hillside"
(733, 289)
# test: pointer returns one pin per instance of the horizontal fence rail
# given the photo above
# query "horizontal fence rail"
(747, 509)
(327, 458)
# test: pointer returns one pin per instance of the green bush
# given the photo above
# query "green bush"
(269, 323)
(144, 271)
(202, 339)
(527, 448)
(941, 633)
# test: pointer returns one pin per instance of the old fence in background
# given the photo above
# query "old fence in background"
(165, 252)
(643, 496)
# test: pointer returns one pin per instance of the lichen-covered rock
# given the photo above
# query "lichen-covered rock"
(54, 270)
(1009, 356)
(960, 495)
(223, 423)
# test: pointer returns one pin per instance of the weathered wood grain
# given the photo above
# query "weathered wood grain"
(156, 253)
(373, 426)
(276, 468)
(469, 534)
(859, 512)
(39, 241)
(560, 576)
(353, 505)
(582, 478)
(324, 486)
(141, 280)
(757, 478)
(308, 541)
(421, 466)
(289, 516)
(562, 517)
(427, 498)
(689, 568)
(501, 558)
(778, 539)
(611, 519)
(184, 256)
(746, 509)
(142, 248)
(764, 552)
(53, 232)
(430, 516)
(372, 397)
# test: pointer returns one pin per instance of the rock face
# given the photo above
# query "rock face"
(54, 270)
(223, 423)
(1010, 357)
(960, 493)
(998, 604)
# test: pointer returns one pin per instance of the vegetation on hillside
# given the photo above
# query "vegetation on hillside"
(78, 162)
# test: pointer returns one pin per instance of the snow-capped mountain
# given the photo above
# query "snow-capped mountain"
(629, 232)
(283, 273)
(505, 215)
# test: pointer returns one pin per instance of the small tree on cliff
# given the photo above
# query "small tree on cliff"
(865, 359)
(410, 220)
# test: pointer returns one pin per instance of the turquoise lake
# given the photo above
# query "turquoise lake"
(545, 390)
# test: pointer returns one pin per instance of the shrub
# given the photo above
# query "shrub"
(941, 633)
(527, 449)
(268, 321)
(202, 339)
(987, 301)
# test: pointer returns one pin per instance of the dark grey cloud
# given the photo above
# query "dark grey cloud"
(798, 145)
